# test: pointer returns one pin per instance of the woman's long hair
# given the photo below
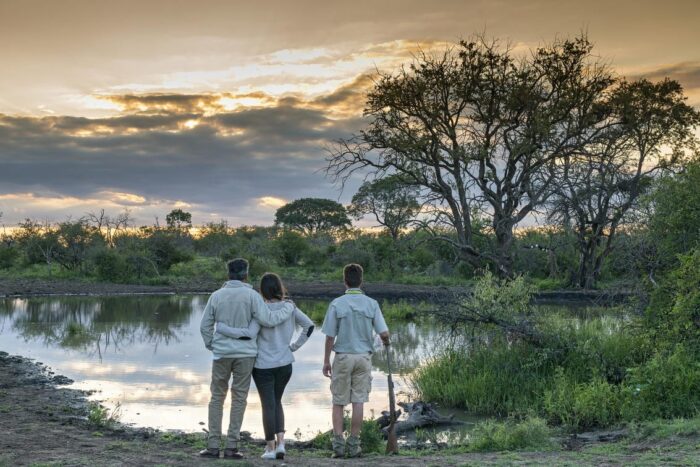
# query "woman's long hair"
(271, 287)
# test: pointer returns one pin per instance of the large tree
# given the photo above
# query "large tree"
(479, 127)
(390, 200)
(312, 216)
(649, 130)
(179, 220)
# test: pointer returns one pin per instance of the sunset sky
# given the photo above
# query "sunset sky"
(223, 108)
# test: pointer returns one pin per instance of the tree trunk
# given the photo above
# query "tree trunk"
(504, 252)
(586, 271)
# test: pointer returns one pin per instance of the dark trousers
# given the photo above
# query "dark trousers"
(271, 383)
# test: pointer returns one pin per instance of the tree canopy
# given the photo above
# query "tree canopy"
(390, 200)
(311, 216)
(484, 131)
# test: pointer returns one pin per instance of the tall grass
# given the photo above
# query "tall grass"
(530, 433)
(572, 380)
(493, 380)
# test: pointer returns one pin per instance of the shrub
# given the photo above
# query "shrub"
(583, 405)
(496, 380)
(168, 248)
(673, 315)
(292, 247)
(200, 268)
(110, 266)
(371, 438)
(101, 417)
(531, 432)
(664, 387)
(8, 255)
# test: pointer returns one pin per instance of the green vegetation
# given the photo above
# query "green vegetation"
(530, 433)
(581, 374)
(102, 417)
(370, 437)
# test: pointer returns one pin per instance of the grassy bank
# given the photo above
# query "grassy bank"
(579, 374)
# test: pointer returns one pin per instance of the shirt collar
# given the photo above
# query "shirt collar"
(354, 291)
(237, 284)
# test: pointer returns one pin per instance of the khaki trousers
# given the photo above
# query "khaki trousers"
(222, 371)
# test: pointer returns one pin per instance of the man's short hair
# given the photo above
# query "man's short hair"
(352, 275)
(237, 269)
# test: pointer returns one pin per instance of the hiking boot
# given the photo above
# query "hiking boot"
(209, 452)
(232, 453)
(353, 444)
(338, 446)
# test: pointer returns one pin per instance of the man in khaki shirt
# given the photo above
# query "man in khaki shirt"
(348, 327)
(236, 304)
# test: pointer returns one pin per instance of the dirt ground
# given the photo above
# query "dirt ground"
(42, 423)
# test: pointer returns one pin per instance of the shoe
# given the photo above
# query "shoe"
(280, 452)
(338, 447)
(209, 452)
(232, 453)
(269, 454)
(353, 445)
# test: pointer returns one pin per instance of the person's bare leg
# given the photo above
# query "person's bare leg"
(280, 438)
(338, 420)
(357, 415)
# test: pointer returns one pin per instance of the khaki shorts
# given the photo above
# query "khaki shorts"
(351, 378)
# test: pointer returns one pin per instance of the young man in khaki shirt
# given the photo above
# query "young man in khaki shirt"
(348, 327)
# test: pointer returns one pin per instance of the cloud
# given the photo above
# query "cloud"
(686, 73)
(271, 202)
(163, 152)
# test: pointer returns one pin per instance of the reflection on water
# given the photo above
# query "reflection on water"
(146, 353)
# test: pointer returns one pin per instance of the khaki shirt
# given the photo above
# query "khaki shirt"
(236, 304)
(351, 319)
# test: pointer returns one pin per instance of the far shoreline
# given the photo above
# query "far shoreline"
(304, 290)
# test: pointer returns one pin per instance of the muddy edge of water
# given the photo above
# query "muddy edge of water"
(297, 289)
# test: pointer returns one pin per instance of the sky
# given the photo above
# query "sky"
(225, 108)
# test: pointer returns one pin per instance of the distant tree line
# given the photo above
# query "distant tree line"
(459, 150)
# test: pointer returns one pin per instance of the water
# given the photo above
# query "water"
(145, 353)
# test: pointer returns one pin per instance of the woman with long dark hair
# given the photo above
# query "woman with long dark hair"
(273, 365)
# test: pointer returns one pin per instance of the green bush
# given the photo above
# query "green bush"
(168, 248)
(531, 433)
(673, 315)
(210, 268)
(111, 266)
(292, 247)
(8, 256)
(371, 438)
(664, 387)
(498, 379)
(583, 405)
(604, 346)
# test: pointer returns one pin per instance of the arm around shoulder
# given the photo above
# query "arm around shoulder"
(266, 316)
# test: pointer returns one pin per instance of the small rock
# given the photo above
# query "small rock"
(61, 380)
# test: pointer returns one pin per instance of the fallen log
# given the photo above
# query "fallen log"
(420, 414)
(384, 420)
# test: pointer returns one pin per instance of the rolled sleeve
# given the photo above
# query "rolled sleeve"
(330, 323)
(378, 321)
